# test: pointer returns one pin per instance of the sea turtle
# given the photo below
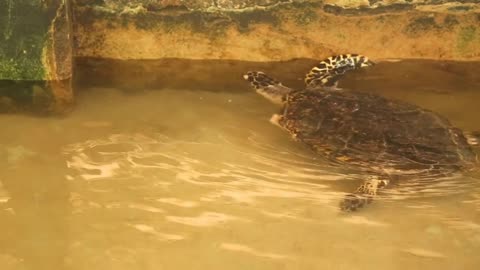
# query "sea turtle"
(386, 139)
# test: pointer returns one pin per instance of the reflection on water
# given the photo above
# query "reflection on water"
(197, 179)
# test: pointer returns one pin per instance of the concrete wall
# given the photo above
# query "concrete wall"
(270, 30)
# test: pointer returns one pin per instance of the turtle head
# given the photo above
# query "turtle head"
(270, 88)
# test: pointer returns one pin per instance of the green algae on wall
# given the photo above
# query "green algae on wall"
(35, 54)
(466, 38)
(23, 32)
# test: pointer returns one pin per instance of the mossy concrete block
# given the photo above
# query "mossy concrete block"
(35, 49)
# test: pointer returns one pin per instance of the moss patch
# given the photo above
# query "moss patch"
(306, 16)
(450, 21)
(460, 8)
(244, 19)
(392, 8)
(21, 69)
(466, 37)
(421, 25)
(24, 26)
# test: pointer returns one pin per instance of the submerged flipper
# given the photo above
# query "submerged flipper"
(330, 70)
(271, 89)
(364, 194)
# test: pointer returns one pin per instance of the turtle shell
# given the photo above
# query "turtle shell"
(377, 134)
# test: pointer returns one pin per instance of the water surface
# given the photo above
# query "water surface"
(172, 176)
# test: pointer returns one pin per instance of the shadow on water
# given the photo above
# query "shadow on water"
(225, 75)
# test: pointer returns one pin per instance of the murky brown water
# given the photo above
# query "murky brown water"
(196, 178)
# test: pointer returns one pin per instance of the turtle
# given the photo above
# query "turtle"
(385, 140)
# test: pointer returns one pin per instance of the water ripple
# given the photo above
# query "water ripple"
(252, 251)
(231, 169)
(206, 219)
(234, 172)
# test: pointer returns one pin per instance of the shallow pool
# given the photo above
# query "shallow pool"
(169, 176)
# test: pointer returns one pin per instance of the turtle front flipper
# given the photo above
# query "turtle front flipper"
(330, 70)
(364, 194)
(271, 89)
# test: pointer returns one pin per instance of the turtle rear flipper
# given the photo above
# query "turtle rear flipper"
(330, 70)
(364, 194)
(270, 88)
(473, 138)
